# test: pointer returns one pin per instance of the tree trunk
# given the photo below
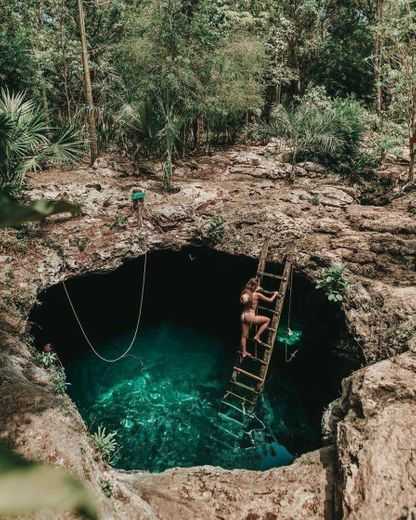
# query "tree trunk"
(185, 139)
(87, 85)
(278, 93)
(412, 142)
(378, 60)
(196, 131)
(65, 62)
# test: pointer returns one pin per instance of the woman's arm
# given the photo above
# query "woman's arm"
(268, 299)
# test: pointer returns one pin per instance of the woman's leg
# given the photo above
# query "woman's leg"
(245, 329)
(263, 323)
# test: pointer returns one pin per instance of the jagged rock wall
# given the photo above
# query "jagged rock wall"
(366, 476)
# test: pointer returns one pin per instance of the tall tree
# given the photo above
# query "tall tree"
(378, 56)
(399, 34)
(87, 84)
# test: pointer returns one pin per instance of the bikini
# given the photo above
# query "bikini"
(244, 313)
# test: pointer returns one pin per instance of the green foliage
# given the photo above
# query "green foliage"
(315, 200)
(172, 76)
(59, 379)
(13, 214)
(398, 337)
(27, 142)
(23, 485)
(318, 128)
(334, 282)
(119, 222)
(213, 232)
(53, 243)
(82, 242)
(106, 487)
(46, 359)
(105, 443)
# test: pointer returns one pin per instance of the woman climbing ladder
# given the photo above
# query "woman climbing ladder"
(250, 296)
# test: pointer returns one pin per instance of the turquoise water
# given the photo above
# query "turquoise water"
(162, 400)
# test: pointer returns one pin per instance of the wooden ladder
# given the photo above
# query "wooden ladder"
(250, 373)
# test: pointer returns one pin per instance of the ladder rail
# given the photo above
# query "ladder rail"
(262, 362)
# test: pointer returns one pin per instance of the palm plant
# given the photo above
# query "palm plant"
(105, 442)
(27, 141)
(169, 135)
(306, 128)
(139, 125)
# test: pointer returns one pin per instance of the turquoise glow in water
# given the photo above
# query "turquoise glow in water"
(162, 400)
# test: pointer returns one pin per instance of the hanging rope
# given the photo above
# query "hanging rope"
(137, 324)
(289, 317)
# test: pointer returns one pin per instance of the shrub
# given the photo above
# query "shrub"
(27, 142)
(318, 128)
(46, 359)
(334, 282)
(213, 232)
(106, 488)
(105, 443)
(59, 379)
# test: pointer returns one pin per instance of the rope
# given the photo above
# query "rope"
(289, 317)
(137, 324)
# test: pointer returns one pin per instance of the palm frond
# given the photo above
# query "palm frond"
(66, 146)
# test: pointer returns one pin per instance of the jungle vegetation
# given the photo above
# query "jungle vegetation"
(153, 78)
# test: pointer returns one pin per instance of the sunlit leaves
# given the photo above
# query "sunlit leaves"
(13, 214)
(27, 487)
(26, 140)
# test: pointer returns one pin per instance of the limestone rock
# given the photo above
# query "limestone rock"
(376, 440)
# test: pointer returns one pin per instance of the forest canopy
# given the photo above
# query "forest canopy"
(164, 77)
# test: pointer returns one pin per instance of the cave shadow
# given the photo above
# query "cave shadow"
(199, 288)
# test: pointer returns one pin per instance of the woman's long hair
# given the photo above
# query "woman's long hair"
(249, 289)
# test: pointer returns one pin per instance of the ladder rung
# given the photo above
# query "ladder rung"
(224, 416)
(254, 358)
(271, 275)
(246, 387)
(265, 345)
(238, 397)
(267, 309)
(229, 432)
(258, 360)
(215, 439)
(248, 374)
(241, 410)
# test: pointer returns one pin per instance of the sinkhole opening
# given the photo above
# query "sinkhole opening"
(162, 399)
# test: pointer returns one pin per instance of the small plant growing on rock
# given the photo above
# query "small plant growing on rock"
(59, 379)
(119, 222)
(216, 230)
(46, 359)
(82, 242)
(334, 281)
(49, 360)
(398, 337)
(52, 243)
(213, 232)
(315, 200)
(106, 487)
(105, 443)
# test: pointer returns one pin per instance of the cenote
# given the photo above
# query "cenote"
(162, 399)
